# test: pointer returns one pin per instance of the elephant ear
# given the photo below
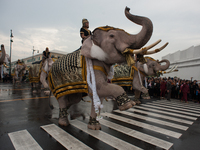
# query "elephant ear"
(93, 51)
(86, 48)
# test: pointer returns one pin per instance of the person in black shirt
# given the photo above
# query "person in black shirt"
(84, 31)
(46, 54)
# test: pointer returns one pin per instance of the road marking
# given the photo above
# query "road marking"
(138, 135)
(180, 104)
(167, 113)
(64, 138)
(176, 111)
(178, 108)
(183, 102)
(144, 125)
(22, 140)
(173, 125)
(161, 116)
(3, 101)
(106, 138)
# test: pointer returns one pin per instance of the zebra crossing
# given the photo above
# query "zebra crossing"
(157, 123)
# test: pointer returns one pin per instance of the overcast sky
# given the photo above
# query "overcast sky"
(56, 23)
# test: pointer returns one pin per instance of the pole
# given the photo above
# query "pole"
(33, 54)
(11, 36)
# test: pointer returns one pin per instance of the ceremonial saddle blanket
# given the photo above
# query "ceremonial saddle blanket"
(68, 75)
(123, 75)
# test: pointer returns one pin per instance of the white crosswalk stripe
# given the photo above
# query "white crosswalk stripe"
(167, 113)
(166, 123)
(65, 139)
(143, 125)
(22, 140)
(155, 119)
(162, 116)
(196, 113)
(139, 135)
(171, 110)
(185, 105)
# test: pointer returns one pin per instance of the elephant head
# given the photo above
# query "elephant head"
(108, 43)
(47, 64)
(152, 67)
(4, 58)
(3, 54)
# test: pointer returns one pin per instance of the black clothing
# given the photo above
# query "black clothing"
(46, 54)
(85, 31)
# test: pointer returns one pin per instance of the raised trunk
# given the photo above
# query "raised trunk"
(3, 54)
(166, 66)
(140, 39)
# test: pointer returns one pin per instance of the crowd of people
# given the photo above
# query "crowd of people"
(176, 88)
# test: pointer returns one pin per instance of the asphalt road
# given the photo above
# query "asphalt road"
(27, 121)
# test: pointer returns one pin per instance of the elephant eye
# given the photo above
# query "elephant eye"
(111, 35)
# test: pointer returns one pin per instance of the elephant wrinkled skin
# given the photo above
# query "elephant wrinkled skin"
(104, 48)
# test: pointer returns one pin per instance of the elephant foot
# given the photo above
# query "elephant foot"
(137, 101)
(94, 124)
(47, 93)
(146, 96)
(124, 102)
(63, 121)
(63, 117)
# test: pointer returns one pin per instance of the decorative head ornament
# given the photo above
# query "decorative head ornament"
(84, 21)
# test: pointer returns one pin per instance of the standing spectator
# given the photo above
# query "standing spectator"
(198, 93)
(169, 88)
(162, 88)
(185, 91)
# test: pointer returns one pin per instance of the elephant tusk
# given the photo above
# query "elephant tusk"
(142, 50)
(156, 50)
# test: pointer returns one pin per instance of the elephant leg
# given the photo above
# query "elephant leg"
(64, 104)
(145, 94)
(93, 123)
(44, 83)
(137, 97)
(63, 114)
(34, 88)
(105, 89)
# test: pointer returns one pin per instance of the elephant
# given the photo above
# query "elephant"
(125, 75)
(85, 71)
(46, 67)
(4, 58)
(38, 75)
(18, 72)
(34, 76)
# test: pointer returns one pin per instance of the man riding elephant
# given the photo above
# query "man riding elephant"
(38, 72)
(86, 70)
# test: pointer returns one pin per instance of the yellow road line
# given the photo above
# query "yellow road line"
(2, 101)
(16, 89)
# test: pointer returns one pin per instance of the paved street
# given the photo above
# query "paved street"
(27, 122)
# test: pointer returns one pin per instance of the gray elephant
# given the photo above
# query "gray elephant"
(34, 76)
(19, 71)
(38, 75)
(68, 80)
(4, 58)
(46, 67)
(125, 75)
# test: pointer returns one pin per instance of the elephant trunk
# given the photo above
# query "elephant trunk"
(166, 66)
(3, 54)
(140, 39)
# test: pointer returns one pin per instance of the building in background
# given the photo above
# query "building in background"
(188, 62)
